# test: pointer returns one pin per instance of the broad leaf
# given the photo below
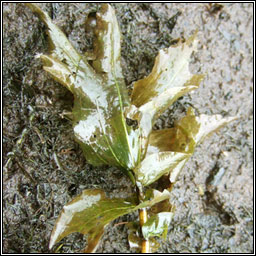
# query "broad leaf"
(100, 94)
(169, 80)
(91, 211)
(178, 143)
(102, 107)
(157, 164)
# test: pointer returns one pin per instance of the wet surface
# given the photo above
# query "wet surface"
(44, 168)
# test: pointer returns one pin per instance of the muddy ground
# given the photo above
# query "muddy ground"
(44, 168)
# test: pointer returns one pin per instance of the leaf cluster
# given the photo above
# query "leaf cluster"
(102, 116)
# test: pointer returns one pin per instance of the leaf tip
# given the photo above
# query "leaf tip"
(37, 10)
(51, 243)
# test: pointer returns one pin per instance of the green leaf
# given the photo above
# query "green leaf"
(177, 144)
(199, 127)
(94, 240)
(100, 94)
(88, 214)
(157, 225)
(169, 80)
(163, 206)
(153, 197)
(157, 164)
(91, 211)
(101, 109)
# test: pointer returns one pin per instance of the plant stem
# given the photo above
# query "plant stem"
(145, 248)
(143, 217)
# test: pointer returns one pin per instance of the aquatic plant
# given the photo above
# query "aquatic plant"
(116, 129)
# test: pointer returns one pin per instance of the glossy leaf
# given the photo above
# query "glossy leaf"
(94, 240)
(157, 164)
(199, 127)
(160, 215)
(153, 197)
(182, 139)
(101, 109)
(100, 94)
(157, 225)
(91, 211)
(83, 213)
(169, 80)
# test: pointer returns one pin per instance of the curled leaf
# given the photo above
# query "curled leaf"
(199, 127)
(182, 139)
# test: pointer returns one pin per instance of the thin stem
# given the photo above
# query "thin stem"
(143, 217)
(145, 248)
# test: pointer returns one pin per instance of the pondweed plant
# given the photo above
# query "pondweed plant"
(102, 114)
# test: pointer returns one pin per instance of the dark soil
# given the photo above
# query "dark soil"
(44, 168)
